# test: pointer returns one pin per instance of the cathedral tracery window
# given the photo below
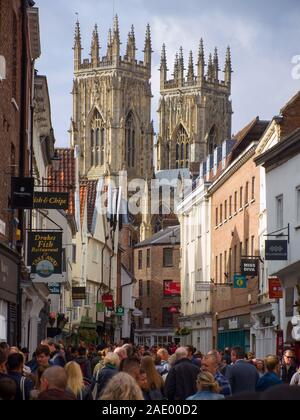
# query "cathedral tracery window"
(97, 140)
(182, 149)
(130, 141)
(212, 140)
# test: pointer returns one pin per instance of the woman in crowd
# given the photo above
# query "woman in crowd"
(260, 366)
(122, 387)
(155, 382)
(111, 365)
(76, 383)
(208, 388)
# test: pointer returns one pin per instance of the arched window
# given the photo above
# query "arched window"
(212, 140)
(130, 141)
(182, 149)
(97, 140)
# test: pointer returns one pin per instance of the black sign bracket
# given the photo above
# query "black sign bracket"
(277, 233)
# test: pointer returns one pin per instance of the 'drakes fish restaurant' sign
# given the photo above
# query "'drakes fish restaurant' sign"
(51, 200)
(45, 253)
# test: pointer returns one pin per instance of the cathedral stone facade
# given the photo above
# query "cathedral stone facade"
(111, 121)
(194, 111)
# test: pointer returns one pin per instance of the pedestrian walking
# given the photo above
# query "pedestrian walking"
(208, 388)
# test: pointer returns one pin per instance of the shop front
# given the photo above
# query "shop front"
(234, 332)
(9, 272)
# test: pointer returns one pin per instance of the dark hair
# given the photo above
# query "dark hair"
(82, 351)
(73, 349)
(42, 350)
(8, 389)
(14, 361)
(3, 357)
(4, 346)
(24, 350)
(128, 364)
(239, 352)
(283, 392)
(190, 349)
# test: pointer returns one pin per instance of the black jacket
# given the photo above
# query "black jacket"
(28, 385)
(85, 366)
(181, 380)
(287, 374)
(104, 377)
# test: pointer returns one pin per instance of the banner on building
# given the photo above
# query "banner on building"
(22, 193)
(240, 282)
(276, 250)
(108, 300)
(172, 289)
(249, 267)
(51, 200)
(275, 288)
(45, 253)
(78, 293)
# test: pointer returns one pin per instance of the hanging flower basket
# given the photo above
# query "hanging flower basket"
(62, 321)
(182, 332)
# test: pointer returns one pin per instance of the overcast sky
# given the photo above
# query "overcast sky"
(264, 36)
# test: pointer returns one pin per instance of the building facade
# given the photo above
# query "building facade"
(278, 155)
(19, 47)
(194, 111)
(235, 198)
(196, 315)
(157, 288)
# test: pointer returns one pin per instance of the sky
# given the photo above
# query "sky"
(264, 36)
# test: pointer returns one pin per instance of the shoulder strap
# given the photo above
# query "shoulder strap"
(22, 387)
(81, 396)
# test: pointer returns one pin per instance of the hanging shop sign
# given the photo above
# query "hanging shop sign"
(100, 307)
(275, 288)
(78, 293)
(45, 253)
(22, 193)
(51, 200)
(108, 300)
(240, 282)
(249, 267)
(54, 288)
(120, 311)
(276, 250)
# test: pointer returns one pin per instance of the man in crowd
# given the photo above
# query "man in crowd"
(210, 364)
(242, 376)
(288, 367)
(54, 384)
(15, 367)
(181, 380)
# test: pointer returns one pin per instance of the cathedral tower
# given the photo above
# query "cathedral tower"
(195, 112)
(111, 121)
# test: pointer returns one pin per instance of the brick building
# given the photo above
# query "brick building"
(235, 201)
(18, 49)
(157, 275)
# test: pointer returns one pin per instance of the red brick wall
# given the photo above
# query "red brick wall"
(156, 274)
(241, 226)
(9, 116)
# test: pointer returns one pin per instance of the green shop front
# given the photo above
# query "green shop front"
(233, 332)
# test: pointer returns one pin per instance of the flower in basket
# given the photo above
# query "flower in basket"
(52, 318)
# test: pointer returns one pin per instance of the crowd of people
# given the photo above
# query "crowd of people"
(128, 372)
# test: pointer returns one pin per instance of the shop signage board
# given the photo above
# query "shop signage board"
(45, 253)
(54, 288)
(108, 300)
(78, 293)
(120, 311)
(275, 288)
(172, 288)
(240, 282)
(51, 200)
(276, 250)
(249, 267)
(22, 193)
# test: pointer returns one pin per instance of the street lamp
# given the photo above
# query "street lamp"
(56, 161)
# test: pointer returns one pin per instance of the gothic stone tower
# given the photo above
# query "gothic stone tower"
(112, 107)
(194, 111)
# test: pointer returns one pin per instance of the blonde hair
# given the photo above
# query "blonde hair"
(122, 387)
(111, 359)
(75, 378)
(271, 362)
(206, 382)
